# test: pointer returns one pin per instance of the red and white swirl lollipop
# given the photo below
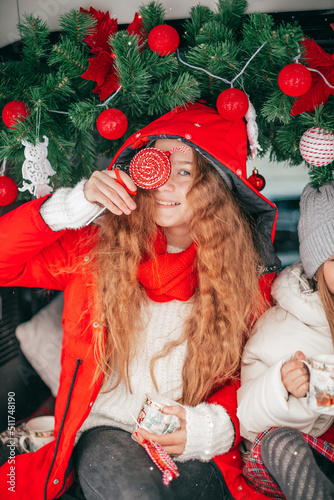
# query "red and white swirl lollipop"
(150, 168)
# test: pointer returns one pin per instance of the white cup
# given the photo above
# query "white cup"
(40, 433)
(321, 392)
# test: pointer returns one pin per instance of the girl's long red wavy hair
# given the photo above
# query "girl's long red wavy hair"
(327, 298)
(226, 299)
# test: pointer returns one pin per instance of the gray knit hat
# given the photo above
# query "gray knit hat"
(316, 226)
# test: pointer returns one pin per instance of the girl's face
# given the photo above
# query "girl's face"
(329, 273)
(172, 211)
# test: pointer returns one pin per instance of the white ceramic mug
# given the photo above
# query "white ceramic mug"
(321, 392)
(40, 433)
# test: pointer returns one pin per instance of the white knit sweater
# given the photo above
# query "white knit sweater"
(210, 430)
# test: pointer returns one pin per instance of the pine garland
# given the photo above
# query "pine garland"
(63, 106)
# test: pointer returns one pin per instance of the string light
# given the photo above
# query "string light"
(296, 60)
(219, 77)
(105, 103)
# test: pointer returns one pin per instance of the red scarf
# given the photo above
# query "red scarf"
(168, 276)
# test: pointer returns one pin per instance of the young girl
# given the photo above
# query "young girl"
(274, 380)
(158, 296)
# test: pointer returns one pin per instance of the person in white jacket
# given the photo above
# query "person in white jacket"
(275, 381)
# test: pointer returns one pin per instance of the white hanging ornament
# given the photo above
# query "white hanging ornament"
(317, 146)
(256, 180)
(252, 130)
(37, 169)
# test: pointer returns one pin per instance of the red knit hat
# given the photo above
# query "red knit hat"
(224, 144)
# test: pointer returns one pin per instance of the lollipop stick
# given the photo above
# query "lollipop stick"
(95, 216)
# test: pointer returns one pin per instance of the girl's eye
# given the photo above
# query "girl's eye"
(184, 172)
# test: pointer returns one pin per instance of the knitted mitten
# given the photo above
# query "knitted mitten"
(289, 460)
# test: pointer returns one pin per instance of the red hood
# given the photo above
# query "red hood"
(224, 144)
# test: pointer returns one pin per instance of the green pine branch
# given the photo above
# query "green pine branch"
(166, 95)
(320, 175)
(199, 15)
(159, 67)
(134, 78)
(83, 156)
(84, 114)
(19, 78)
(231, 12)
(214, 32)
(57, 88)
(277, 107)
(36, 45)
(221, 60)
(72, 60)
(76, 25)
(153, 14)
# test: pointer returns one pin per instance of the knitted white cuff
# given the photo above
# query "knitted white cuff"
(210, 432)
(68, 208)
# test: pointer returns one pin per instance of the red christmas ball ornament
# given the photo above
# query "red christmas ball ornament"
(317, 146)
(13, 112)
(294, 79)
(112, 123)
(150, 168)
(8, 190)
(163, 39)
(257, 180)
(232, 104)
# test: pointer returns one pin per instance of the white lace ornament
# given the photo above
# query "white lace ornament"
(37, 169)
(252, 130)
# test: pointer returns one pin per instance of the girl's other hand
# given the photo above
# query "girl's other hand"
(103, 188)
(174, 443)
(295, 376)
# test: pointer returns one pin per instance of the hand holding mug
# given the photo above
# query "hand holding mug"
(295, 375)
(321, 390)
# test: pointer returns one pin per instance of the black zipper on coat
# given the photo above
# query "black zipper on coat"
(79, 361)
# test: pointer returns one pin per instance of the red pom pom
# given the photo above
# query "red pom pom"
(13, 112)
(163, 39)
(294, 79)
(257, 180)
(112, 123)
(150, 168)
(232, 104)
(8, 190)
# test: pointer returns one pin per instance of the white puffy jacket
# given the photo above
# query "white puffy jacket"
(296, 323)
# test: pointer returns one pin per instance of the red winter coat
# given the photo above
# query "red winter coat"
(32, 255)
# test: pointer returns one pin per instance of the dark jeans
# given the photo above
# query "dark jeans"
(112, 466)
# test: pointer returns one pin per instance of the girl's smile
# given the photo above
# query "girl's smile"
(167, 203)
